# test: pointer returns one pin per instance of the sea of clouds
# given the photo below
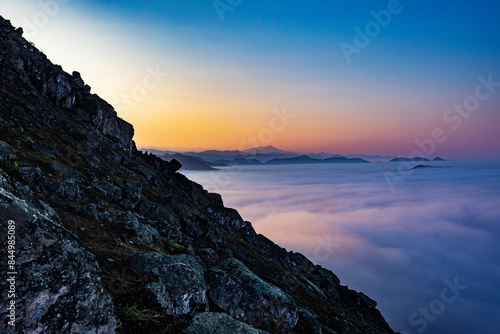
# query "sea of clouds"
(428, 251)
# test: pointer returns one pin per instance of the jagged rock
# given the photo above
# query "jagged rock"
(113, 156)
(65, 171)
(307, 323)
(241, 293)
(92, 160)
(344, 327)
(107, 188)
(45, 151)
(327, 281)
(30, 175)
(145, 233)
(157, 211)
(57, 279)
(6, 153)
(141, 170)
(193, 228)
(68, 190)
(127, 204)
(298, 259)
(209, 256)
(219, 323)
(133, 191)
(366, 301)
(175, 282)
(91, 210)
(105, 217)
(4, 183)
(174, 165)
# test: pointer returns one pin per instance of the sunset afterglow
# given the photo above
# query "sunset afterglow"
(219, 76)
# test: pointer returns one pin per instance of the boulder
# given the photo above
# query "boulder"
(30, 175)
(144, 232)
(91, 210)
(219, 323)
(327, 282)
(174, 282)
(307, 323)
(241, 293)
(6, 152)
(157, 211)
(107, 189)
(68, 190)
(92, 160)
(343, 326)
(366, 301)
(133, 191)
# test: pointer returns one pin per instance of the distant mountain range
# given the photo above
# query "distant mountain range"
(267, 155)
(400, 159)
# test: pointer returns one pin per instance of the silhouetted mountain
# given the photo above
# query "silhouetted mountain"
(400, 159)
(422, 167)
(438, 159)
(188, 163)
(268, 150)
(243, 162)
(272, 155)
(371, 158)
(307, 160)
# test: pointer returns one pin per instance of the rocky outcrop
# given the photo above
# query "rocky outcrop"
(50, 83)
(219, 323)
(113, 239)
(237, 290)
(174, 282)
(6, 153)
(58, 282)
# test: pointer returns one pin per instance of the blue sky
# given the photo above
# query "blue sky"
(263, 55)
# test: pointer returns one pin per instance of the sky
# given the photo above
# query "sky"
(402, 245)
(372, 77)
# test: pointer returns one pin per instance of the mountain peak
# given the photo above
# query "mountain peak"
(265, 150)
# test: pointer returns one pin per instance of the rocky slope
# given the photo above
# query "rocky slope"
(109, 239)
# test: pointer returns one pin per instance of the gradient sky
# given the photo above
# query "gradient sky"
(227, 76)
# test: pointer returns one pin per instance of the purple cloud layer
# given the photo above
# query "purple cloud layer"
(403, 248)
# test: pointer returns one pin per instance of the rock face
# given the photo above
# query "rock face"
(219, 323)
(59, 285)
(110, 239)
(237, 290)
(175, 282)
